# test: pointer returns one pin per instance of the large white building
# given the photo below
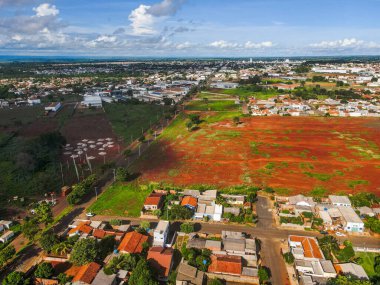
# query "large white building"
(92, 101)
(351, 221)
(161, 233)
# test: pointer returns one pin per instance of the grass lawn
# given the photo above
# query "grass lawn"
(246, 92)
(214, 96)
(128, 120)
(368, 261)
(216, 105)
(121, 200)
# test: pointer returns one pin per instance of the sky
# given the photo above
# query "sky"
(189, 27)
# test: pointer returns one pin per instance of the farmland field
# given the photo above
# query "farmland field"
(292, 155)
(214, 105)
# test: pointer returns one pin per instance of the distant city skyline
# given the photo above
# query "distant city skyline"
(215, 28)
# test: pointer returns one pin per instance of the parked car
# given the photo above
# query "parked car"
(90, 214)
(324, 232)
(339, 234)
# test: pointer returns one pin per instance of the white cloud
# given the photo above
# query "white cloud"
(223, 44)
(184, 45)
(251, 45)
(46, 9)
(348, 43)
(144, 18)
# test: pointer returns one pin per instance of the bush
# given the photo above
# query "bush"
(84, 252)
(187, 228)
(116, 222)
(81, 189)
(289, 257)
(44, 270)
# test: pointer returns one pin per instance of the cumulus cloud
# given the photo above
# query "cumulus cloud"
(251, 45)
(223, 44)
(46, 9)
(184, 45)
(144, 18)
(348, 43)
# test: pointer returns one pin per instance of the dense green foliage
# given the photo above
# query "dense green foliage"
(16, 278)
(124, 261)
(289, 257)
(84, 252)
(30, 166)
(196, 257)
(364, 199)
(81, 189)
(177, 212)
(48, 240)
(44, 270)
(142, 274)
(187, 227)
(6, 254)
(347, 280)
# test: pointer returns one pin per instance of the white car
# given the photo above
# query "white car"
(89, 214)
(339, 234)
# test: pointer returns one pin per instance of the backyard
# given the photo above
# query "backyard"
(367, 260)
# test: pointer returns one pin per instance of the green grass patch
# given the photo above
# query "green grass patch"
(367, 260)
(319, 176)
(244, 92)
(318, 191)
(121, 200)
(353, 183)
(215, 105)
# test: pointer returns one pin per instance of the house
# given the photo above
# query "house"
(86, 274)
(194, 193)
(340, 201)
(366, 211)
(83, 229)
(213, 212)
(92, 101)
(234, 199)
(305, 248)
(161, 259)
(351, 268)
(189, 275)
(153, 202)
(232, 210)
(317, 269)
(301, 200)
(103, 279)
(133, 242)
(45, 281)
(189, 202)
(100, 233)
(7, 236)
(161, 233)
(351, 221)
(53, 107)
(5, 225)
(226, 264)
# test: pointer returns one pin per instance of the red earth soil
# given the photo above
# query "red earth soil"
(294, 155)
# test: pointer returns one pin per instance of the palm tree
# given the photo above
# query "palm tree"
(62, 248)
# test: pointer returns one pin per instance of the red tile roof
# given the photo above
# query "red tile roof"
(310, 246)
(132, 242)
(189, 200)
(87, 273)
(226, 264)
(161, 259)
(82, 227)
(153, 199)
(99, 233)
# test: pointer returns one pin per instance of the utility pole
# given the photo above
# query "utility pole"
(139, 149)
(76, 169)
(114, 175)
(63, 180)
(96, 193)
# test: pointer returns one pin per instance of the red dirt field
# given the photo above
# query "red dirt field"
(292, 155)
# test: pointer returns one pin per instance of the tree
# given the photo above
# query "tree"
(16, 278)
(189, 125)
(63, 278)
(168, 101)
(264, 274)
(44, 270)
(62, 248)
(43, 213)
(328, 244)
(48, 240)
(289, 257)
(195, 119)
(187, 227)
(177, 212)
(84, 252)
(122, 174)
(142, 275)
(145, 225)
(347, 280)
(124, 261)
(142, 139)
(7, 254)
(106, 246)
(236, 120)
(30, 228)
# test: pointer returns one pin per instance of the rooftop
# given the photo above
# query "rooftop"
(87, 273)
(133, 242)
(309, 245)
(161, 258)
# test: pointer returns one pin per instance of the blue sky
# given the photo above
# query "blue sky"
(189, 27)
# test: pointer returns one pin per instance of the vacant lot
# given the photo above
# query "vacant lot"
(129, 120)
(212, 105)
(292, 155)
(121, 200)
(13, 119)
(367, 260)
